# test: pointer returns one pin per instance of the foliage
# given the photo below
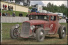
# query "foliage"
(30, 7)
(53, 8)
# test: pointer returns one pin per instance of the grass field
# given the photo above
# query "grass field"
(51, 39)
(16, 12)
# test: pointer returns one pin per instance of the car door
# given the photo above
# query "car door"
(53, 24)
(46, 18)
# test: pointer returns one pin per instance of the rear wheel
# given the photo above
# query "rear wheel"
(14, 32)
(62, 32)
(40, 34)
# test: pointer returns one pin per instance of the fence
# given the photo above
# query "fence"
(21, 19)
(14, 19)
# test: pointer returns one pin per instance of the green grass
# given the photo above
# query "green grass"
(48, 40)
(6, 29)
(64, 24)
(16, 12)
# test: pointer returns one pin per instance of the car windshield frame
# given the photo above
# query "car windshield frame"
(39, 17)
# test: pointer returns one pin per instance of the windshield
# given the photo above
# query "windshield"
(39, 17)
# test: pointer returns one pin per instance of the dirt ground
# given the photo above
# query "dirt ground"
(52, 39)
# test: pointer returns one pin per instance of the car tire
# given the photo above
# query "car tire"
(14, 32)
(62, 32)
(40, 34)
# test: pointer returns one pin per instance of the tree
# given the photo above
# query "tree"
(53, 8)
(30, 7)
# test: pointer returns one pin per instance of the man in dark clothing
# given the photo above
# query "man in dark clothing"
(3, 14)
(13, 14)
(20, 14)
(3, 6)
(8, 7)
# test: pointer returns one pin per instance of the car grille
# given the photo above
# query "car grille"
(25, 29)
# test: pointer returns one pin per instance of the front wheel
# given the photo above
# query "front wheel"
(14, 32)
(40, 34)
(62, 32)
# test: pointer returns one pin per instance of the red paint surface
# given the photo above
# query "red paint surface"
(34, 13)
(46, 24)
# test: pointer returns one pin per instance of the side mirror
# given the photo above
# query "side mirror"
(67, 20)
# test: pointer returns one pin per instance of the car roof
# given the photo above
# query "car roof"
(34, 13)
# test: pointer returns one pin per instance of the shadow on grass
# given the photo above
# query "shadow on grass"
(53, 37)
(33, 39)
(26, 39)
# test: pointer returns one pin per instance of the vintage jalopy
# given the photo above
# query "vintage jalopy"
(38, 26)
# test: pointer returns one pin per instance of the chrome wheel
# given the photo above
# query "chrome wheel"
(41, 35)
(63, 33)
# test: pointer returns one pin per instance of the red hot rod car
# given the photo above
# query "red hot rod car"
(38, 26)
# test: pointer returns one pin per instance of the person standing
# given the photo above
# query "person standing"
(6, 14)
(8, 7)
(3, 6)
(11, 8)
(13, 14)
(0, 13)
(3, 14)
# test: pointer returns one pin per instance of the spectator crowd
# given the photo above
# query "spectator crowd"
(13, 14)
(4, 7)
(9, 7)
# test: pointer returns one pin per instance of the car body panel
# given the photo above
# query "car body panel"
(50, 25)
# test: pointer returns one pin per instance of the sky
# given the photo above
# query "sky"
(44, 3)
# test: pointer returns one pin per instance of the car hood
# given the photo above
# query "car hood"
(36, 22)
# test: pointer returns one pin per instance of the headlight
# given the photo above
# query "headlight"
(17, 25)
(32, 27)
